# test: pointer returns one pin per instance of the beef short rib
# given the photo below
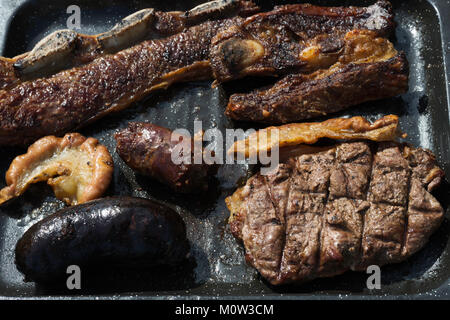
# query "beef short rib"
(328, 59)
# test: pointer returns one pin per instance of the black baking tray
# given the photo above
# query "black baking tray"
(217, 268)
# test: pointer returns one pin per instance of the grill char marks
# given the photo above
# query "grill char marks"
(424, 216)
(332, 213)
(343, 218)
(424, 211)
(385, 220)
(263, 231)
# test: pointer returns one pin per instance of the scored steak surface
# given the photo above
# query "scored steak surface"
(343, 208)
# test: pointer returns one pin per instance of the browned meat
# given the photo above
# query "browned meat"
(75, 97)
(299, 97)
(293, 38)
(65, 49)
(148, 149)
(335, 58)
(343, 208)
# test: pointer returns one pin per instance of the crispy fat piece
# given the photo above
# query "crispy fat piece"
(78, 169)
(295, 134)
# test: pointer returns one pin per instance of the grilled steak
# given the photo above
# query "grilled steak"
(75, 97)
(343, 208)
(148, 149)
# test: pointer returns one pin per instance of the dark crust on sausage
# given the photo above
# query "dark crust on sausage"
(147, 148)
(125, 231)
(296, 97)
(351, 206)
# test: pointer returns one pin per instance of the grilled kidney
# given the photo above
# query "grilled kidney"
(148, 148)
(100, 233)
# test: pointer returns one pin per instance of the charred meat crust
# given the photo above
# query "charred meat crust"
(64, 49)
(285, 32)
(323, 213)
(112, 231)
(148, 149)
(73, 98)
(298, 97)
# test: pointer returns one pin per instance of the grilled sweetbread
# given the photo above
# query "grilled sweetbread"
(341, 208)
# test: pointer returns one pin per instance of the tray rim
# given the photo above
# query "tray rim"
(442, 9)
